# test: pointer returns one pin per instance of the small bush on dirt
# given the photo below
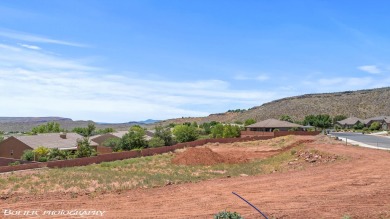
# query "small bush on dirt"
(293, 152)
(227, 215)
(276, 130)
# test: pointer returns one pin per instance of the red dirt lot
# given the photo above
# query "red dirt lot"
(358, 186)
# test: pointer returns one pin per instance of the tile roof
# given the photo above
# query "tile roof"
(52, 140)
(273, 123)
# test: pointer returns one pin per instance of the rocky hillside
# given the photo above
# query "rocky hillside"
(362, 103)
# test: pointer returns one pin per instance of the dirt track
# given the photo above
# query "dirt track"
(359, 187)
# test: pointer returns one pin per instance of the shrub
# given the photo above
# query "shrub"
(57, 154)
(375, 126)
(249, 122)
(133, 139)
(165, 134)
(28, 155)
(41, 152)
(113, 143)
(227, 215)
(42, 159)
(156, 142)
(276, 130)
(217, 131)
(84, 149)
(358, 126)
(184, 133)
(14, 163)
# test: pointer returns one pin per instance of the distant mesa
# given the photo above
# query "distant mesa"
(32, 119)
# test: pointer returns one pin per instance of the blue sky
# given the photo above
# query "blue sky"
(118, 61)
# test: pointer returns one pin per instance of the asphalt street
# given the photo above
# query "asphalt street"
(377, 141)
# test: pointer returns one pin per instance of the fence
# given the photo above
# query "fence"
(245, 134)
(126, 155)
(4, 161)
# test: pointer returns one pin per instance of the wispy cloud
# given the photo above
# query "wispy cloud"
(29, 46)
(36, 83)
(243, 77)
(372, 69)
(36, 39)
(344, 83)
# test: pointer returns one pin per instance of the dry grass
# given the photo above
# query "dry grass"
(143, 172)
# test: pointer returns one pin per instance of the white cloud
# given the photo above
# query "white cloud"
(29, 46)
(262, 77)
(37, 84)
(372, 69)
(36, 39)
(243, 77)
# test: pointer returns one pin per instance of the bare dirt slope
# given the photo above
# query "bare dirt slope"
(358, 186)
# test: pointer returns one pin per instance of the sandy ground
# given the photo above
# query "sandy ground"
(358, 187)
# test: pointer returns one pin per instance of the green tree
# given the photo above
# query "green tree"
(134, 139)
(113, 143)
(105, 131)
(195, 124)
(323, 121)
(90, 129)
(165, 134)
(309, 120)
(156, 142)
(87, 131)
(50, 127)
(231, 131)
(286, 118)
(184, 133)
(249, 122)
(375, 126)
(338, 118)
(84, 149)
(1, 138)
(217, 131)
(358, 126)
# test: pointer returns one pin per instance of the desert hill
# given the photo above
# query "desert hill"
(361, 103)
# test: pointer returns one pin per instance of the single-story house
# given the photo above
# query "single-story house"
(383, 120)
(270, 125)
(99, 139)
(350, 122)
(14, 146)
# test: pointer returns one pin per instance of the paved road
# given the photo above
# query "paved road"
(377, 141)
